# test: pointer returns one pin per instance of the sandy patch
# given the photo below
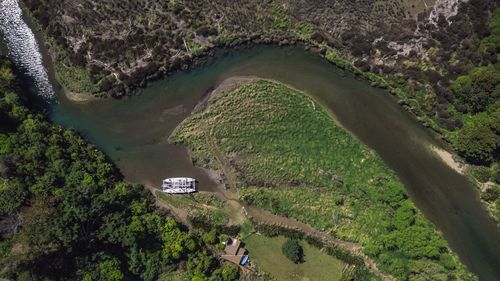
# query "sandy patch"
(79, 97)
(448, 158)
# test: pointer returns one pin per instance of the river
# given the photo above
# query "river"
(134, 132)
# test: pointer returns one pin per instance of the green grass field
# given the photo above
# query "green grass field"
(317, 266)
(292, 159)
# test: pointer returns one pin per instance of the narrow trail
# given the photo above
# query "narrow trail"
(228, 192)
(262, 216)
(266, 217)
(180, 215)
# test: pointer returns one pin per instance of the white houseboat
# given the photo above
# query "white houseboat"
(179, 185)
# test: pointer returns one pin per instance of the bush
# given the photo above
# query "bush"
(293, 250)
(344, 255)
(230, 272)
(482, 174)
(496, 174)
(474, 92)
(477, 144)
(491, 194)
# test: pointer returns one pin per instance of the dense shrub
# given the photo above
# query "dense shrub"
(479, 141)
(293, 250)
(482, 174)
(475, 91)
(491, 194)
(70, 214)
(356, 201)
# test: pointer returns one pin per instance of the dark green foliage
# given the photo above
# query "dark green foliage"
(200, 264)
(206, 225)
(479, 141)
(496, 173)
(273, 230)
(357, 273)
(210, 237)
(482, 174)
(76, 219)
(478, 93)
(491, 194)
(344, 255)
(425, 269)
(12, 195)
(293, 250)
(474, 92)
(357, 200)
(230, 272)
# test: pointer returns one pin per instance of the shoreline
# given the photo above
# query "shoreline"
(228, 85)
(227, 191)
(449, 159)
(76, 97)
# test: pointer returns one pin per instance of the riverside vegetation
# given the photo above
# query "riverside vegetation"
(290, 158)
(443, 66)
(66, 213)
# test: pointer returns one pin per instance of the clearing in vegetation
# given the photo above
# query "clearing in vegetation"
(291, 158)
(317, 265)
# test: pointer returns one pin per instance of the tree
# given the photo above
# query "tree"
(210, 237)
(109, 270)
(474, 92)
(12, 196)
(424, 269)
(293, 250)
(79, 220)
(477, 143)
(201, 264)
(230, 272)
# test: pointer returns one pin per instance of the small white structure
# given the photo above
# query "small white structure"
(179, 185)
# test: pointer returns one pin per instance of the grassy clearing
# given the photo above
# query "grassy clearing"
(277, 137)
(318, 266)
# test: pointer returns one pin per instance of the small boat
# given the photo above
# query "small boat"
(179, 185)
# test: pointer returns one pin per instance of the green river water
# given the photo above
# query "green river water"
(134, 132)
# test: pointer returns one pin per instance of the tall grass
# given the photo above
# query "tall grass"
(293, 160)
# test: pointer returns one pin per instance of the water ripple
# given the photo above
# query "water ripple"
(22, 47)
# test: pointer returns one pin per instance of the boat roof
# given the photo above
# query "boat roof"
(178, 179)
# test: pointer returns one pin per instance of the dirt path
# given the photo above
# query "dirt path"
(238, 211)
(266, 217)
(180, 215)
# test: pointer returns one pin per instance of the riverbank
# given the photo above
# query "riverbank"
(409, 93)
(287, 156)
(86, 222)
(409, 68)
(450, 159)
(487, 190)
(137, 128)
